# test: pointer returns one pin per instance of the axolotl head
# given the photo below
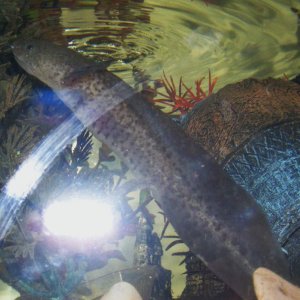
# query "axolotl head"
(49, 62)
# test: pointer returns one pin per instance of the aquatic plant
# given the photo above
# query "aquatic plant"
(38, 261)
(34, 268)
(18, 137)
(17, 90)
(183, 98)
(16, 145)
(10, 23)
(79, 155)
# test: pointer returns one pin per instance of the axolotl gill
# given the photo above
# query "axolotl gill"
(215, 217)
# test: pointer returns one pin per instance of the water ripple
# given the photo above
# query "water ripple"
(235, 39)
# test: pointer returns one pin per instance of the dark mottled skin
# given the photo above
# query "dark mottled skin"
(216, 218)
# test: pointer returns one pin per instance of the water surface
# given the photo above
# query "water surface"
(235, 39)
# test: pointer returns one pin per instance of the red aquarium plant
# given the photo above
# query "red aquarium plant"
(184, 98)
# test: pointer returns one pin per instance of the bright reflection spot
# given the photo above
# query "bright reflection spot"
(24, 179)
(79, 219)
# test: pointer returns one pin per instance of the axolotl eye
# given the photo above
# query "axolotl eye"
(29, 47)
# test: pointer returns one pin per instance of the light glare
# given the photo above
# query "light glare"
(79, 219)
(24, 179)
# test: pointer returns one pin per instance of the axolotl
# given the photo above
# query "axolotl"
(214, 216)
